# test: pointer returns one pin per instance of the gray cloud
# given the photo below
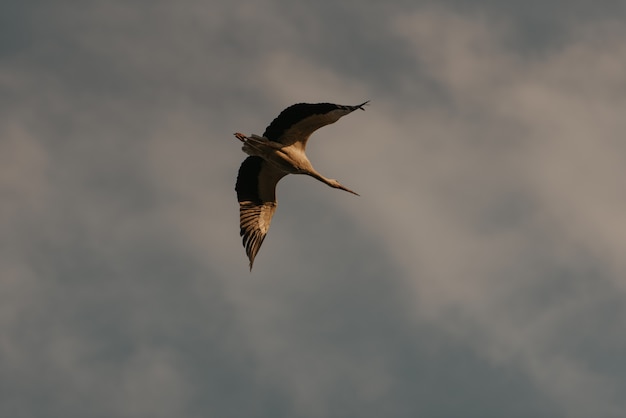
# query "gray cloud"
(480, 273)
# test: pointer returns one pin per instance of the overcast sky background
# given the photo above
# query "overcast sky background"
(480, 274)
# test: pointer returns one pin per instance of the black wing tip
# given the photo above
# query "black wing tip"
(365, 103)
(299, 111)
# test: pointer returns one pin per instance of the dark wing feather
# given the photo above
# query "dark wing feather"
(256, 193)
(298, 122)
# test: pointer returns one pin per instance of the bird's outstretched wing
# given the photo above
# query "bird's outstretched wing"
(296, 123)
(256, 193)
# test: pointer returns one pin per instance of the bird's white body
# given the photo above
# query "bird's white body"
(280, 151)
(288, 158)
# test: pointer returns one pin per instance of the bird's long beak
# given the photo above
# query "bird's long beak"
(342, 187)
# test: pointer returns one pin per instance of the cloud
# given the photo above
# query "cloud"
(485, 245)
(522, 187)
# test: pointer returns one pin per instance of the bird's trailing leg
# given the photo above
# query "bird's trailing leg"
(241, 136)
(255, 139)
(257, 145)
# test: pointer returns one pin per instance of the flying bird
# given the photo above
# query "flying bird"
(280, 151)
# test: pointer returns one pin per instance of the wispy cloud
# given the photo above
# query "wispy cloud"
(486, 244)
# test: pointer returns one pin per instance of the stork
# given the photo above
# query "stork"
(280, 151)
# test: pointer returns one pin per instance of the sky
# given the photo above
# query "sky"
(479, 274)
